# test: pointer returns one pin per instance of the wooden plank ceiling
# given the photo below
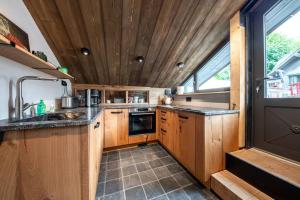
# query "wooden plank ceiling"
(165, 32)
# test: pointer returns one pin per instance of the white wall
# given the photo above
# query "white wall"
(10, 71)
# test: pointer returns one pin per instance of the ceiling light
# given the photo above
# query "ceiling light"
(85, 51)
(140, 59)
(180, 65)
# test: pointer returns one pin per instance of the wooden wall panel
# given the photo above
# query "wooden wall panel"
(164, 32)
(238, 72)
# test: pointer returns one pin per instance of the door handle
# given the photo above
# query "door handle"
(97, 125)
(183, 117)
(116, 112)
(260, 81)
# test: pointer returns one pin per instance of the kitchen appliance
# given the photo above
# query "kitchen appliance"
(95, 97)
(69, 102)
(92, 98)
(142, 121)
(168, 100)
(135, 99)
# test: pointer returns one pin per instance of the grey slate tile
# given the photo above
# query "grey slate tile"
(147, 176)
(115, 196)
(113, 186)
(113, 174)
(151, 156)
(167, 160)
(163, 197)
(169, 184)
(178, 195)
(129, 170)
(100, 190)
(153, 189)
(127, 162)
(155, 163)
(143, 166)
(175, 168)
(131, 181)
(162, 172)
(195, 192)
(183, 178)
(136, 193)
(113, 165)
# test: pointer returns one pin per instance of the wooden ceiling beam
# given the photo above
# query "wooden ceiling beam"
(217, 34)
(149, 15)
(112, 14)
(166, 16)
(130, 24)
(184, 13)
(72, 21)
(35, 9)
(92, 17)
(184, 40)
(206, 26)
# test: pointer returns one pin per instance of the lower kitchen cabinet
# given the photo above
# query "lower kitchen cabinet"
(116, 127)
(184, 142)
(51, 163)
(167, 129)
(199, 142)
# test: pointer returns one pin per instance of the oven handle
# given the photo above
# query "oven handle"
(139, 114)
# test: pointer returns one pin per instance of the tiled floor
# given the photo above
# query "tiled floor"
(149, 172)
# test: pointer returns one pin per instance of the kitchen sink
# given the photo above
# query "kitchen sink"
(53, 117)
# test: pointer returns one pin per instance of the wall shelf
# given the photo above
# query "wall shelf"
(24, 57)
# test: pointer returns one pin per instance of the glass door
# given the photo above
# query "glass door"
(275, 36)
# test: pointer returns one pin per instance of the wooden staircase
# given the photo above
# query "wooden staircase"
(254, 174)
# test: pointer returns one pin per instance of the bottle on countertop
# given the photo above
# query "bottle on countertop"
(41, 108)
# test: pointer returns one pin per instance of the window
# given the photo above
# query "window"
(215, 73)
(282, 50)
(189, 85)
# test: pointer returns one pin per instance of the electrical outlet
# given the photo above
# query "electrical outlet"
(188, 99)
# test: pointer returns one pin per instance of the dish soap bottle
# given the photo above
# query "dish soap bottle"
(41, 108)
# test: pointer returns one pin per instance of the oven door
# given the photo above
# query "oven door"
(142, 122)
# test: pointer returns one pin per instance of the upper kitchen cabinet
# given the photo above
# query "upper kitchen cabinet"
(136, 43)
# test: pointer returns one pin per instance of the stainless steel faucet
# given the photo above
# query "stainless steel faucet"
(20, 108)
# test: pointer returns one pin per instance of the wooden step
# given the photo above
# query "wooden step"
(273, 175)
(230, 187)
(284, 169)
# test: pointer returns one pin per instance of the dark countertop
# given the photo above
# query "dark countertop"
(89, 116)
(200, 110)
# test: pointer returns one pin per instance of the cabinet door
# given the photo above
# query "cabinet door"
(187, 140)
(111, 127)
(122, 132)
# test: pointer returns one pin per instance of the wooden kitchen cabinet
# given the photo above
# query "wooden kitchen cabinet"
(167, 129)
(199, 142)
(116, 127)
(184, 141)
(51, 163)
(216, 135)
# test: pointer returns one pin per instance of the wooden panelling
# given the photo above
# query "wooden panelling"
(230, 187)
(238, 72)
(142, 138)
(117, 31)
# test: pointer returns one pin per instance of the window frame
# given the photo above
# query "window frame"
(206, 60)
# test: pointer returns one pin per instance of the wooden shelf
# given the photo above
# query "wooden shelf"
(203, 93)
(24, 57)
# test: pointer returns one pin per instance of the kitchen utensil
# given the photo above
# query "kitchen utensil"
(69, 102)
(135, 99)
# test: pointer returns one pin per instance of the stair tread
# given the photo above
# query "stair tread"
(229, 186)
(281, 168)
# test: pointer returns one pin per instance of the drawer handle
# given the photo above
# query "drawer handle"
(163, 119)
(163, 111)
(116, 112)
(163, 130)
(183, 117)
(97, 125)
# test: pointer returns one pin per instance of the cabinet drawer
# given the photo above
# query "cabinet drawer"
(163, 113)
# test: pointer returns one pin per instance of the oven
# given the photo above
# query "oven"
(142, 121)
